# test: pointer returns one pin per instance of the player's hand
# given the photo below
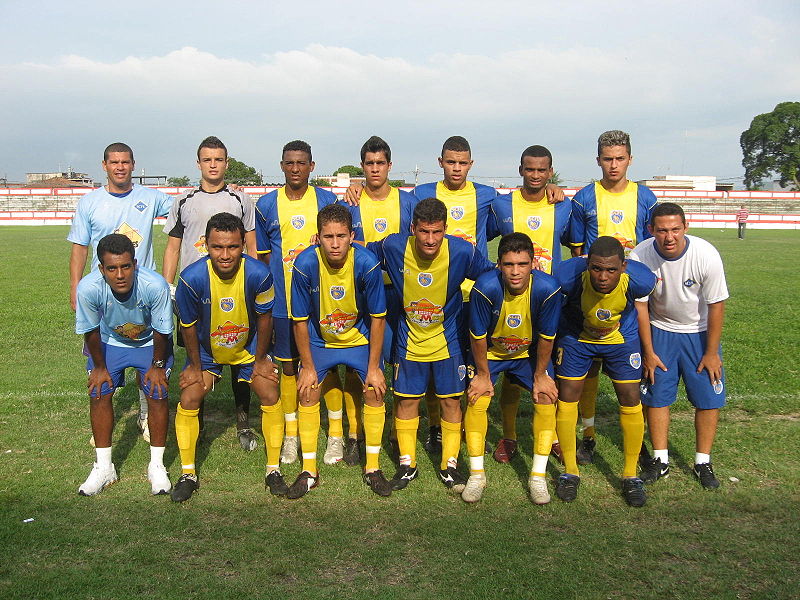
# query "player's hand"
(190, 376)
(307, 383)
(156, 380)
(377, 382)
(267, 369)
(554, 193)
(235, 187)
(314, 239)
(73, 298)
(352, 195)
(713, 364)
(543, 385)
(481, 385)
(97, 378)
(651, 362)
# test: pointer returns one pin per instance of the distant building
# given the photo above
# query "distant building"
(340, 180)
(68, 178)
(706, 183)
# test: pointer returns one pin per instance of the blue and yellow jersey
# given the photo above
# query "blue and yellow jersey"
(373, 220)
(429, 293)
(225, 311)
(284, 228)
(337, 302)
(597, 212)
(512, 323)
(598, 318)
(546, 224)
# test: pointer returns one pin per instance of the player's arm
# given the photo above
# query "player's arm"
(712, 361)
(99, 374)
(193, 373)
(156, 377)
(77, 263)
(554, 193)
(375, 377)
(481, 384)
(171, 255)
(543, 384)
(352, 195)
(264, 366)
(650, 360)
(250, 243)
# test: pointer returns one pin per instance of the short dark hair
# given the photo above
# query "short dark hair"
(536, 152)
(429, 210)
(225, 222)
(456, 143)
(298, 146)
(116, 244)
(606, 246)
(376, 144)
(615, 137)
(665, 209)
(335, 213)
(212, 142)
(514, 242)
(117, 147)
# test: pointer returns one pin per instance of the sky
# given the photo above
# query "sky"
(685, 79)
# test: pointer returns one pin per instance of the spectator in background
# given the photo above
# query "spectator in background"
(741, 220)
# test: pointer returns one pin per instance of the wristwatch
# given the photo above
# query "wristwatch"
(159, 364)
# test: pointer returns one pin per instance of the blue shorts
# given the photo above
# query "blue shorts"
(325, 359)
(411, 378)
(207, 363)
(681, 353)
(621, 362)
(284, 348)
(518, 371)
(119, 358)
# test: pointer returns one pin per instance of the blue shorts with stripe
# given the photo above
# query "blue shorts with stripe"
(284, 348)
(207, 363)
(119, 358)
(518, 371)
(621, 362)
(448, 375)
(325, 359)
(681, 353)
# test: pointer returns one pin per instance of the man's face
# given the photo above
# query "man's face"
(456, 166)
(212, 163)
(376, 169)
(225, 250)
(535, 171)
(119, 271)
(335, 239)
(669, 232)
(297, 167)
(119, 168)
(515, 268)
(428, 238)
(605, 271)
(614, 161)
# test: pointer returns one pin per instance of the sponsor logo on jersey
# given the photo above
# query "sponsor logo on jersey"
(424, 312)
(200, 245)
(462, 371)
(626, 243)
(617, 216)
(229, 334)
(226, 304)
(459, 233)
(541, 257)
(689, 282)
(140, 206)
(457, 212)
(511, 344)
(288, 260)
(130, 233)
(534, 222)
(337, 292)
(718, 387)
(266, 296)
(635, 360)
(337, 322)
(132, 331)
(514, 320)
(425, 279)
(603, 314)
(380, 225)
(298, 221)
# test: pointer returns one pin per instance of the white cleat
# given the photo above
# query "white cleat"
(473, 491)
(99, 479)
(334, 452)
(537, 486)
(289, 450)
(159, 479)
(144, 427)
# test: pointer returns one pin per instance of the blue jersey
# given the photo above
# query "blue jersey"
(598, 318)
(284, 228)
(99, 214)
(546, 224)
(337, 302)
(429, 293)
(510, 322)
(597, 212)
(373, 220)
(129, 321)
(225, 311)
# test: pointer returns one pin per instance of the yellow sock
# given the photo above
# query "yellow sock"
(544, 425)
(308, 424)
(331, 388)
(187, 430)
(374, 420)
(352, 403)
(566, 420)
(475, 426)
(451, 442)
(272, 430)
(288, 388)
(509, 405)
(434, 411)
(588, 404)
(631, 421)
(407, 440)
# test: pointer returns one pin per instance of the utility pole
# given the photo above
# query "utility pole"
(416, 175)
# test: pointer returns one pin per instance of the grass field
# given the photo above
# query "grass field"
(234, 540)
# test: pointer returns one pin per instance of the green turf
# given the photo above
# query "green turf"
(233, 540)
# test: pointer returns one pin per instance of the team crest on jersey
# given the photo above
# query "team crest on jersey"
(132, 331)
(200, 246)
(425, 279)
(229, 334)
(460, 233)
(689, 282)
(617, 216)
(337, 292)
(288, 260)
(462, 372)
(511, 344)
(603, 314)
(298, 221)
(635, 360)
(457, 212)
(718, 387)
(337, 322)
(380, 225)
(514, 320)
(424, 312)
(140, 206)
(130, 233)
(226, 304)
(534, 222)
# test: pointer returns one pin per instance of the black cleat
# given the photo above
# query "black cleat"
(452, 479)
(275, 483)
(304, 483)
(378, 483)
(585, 451)
(653, 470)
(705, 473)
(185, 487)
(433, 444)
(404, 475)
(633, 491)
(567, 487)
(352, 452)
(247, 439)
(644, 456)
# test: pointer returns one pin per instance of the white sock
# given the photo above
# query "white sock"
(157, 455)
(103, 456)
(662, 455)
(539, 463)
(476, 464)
(700, 458)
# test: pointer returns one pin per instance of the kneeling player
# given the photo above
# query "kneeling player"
(224, 303)
(509, 309)
(124, 313)
(599, 320)
(338, 307)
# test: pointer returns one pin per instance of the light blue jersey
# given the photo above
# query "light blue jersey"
(100, 214)
(129, 322)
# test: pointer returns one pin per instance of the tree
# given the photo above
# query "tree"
(772, 146)
(351, 169)
(179, 181)
(555, 178)
(319, 182)
(241, 174)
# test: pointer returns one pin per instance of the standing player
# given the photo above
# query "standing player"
(125, 315)
(427, 269)
(514, 314)
(338, 308)
(528, 210)
(118, 207)
(599, 320)
(224, 303)
(618, 208)
(285, 226)
(186, 226)
(686, 311)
